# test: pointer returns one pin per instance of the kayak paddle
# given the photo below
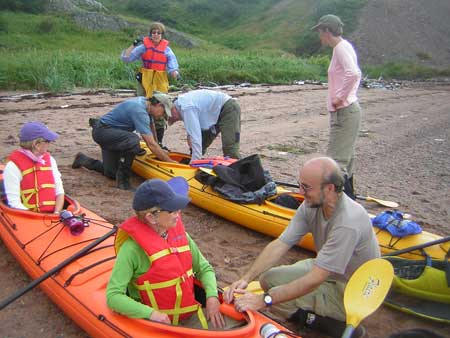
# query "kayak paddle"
(365, 291)
(418, 246)
(57, 268)
(389, 204)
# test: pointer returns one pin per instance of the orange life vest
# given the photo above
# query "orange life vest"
(37, 187)
(210, 162)
(168, 285)
(154, 57)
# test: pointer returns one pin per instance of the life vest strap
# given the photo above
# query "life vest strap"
(154, 286)
(169, 251)
(33, 169)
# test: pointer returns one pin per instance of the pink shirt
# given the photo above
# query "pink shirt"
(343, 76)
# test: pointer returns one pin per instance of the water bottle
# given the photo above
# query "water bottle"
(269, 330)
(75, 225)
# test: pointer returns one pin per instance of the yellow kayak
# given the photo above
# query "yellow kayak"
(268, 218)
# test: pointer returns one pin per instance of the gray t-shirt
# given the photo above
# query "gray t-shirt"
(343, 242)
(130, 115)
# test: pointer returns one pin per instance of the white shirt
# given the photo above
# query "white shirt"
(12, 177)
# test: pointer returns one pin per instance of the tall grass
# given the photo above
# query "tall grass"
(42, 52)
(60, 71)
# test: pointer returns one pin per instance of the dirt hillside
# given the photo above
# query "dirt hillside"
(401, 30)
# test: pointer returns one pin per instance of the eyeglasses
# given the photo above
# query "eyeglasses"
(157, 32)
(305, 187)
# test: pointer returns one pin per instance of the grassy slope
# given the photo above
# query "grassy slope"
(45, 52)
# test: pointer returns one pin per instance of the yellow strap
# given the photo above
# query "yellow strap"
(48, 203)
(202, 318)
(32, 169)
(177, 309)
(160, 285)
(169, 251)
(28, 171)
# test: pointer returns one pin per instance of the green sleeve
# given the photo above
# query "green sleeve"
(131, 262)
(203, 270)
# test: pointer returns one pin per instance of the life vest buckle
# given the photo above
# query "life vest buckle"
(173, 250)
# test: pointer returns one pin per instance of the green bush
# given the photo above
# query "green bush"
(28, 6)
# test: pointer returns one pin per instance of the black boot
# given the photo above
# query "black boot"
(124, 172)
(82, 160)
(348, 187)
(308, 319)
(123, 181)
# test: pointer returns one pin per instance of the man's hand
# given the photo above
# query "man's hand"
(213, 312)
(228, 295)
(248, 301)
(160, 317)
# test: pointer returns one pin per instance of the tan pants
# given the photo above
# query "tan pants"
(344, 129)
(326, 300)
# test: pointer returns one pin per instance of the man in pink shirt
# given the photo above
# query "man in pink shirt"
(344, 76)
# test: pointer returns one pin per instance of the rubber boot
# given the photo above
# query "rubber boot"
(123, 180)
(326, 325)
(348, 187)
(82, 160)
(124, 172)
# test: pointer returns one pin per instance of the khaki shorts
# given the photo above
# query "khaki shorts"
(326, 300)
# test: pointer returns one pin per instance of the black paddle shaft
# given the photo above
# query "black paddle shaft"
(419, 246)
(51, 272)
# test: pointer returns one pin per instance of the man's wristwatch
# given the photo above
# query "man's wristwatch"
(267, 299)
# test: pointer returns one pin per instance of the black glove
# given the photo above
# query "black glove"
(138, 41)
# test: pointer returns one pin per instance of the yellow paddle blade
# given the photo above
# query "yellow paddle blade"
(366, 289)
(389, 204)
(253, 287)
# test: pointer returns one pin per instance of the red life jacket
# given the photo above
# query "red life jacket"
(37, 187)
(168, 285)
(154, 57)
(210, 162)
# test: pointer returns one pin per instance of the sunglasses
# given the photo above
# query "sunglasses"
(161, 210)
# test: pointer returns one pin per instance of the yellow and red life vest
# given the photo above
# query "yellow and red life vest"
(37, 187)
(154, 57)
(168, 285)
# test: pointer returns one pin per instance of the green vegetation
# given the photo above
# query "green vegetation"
(47, 53)
(247, 42)
(405, 71)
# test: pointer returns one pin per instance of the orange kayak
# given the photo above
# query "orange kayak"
(268, 218)
(41, 242)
